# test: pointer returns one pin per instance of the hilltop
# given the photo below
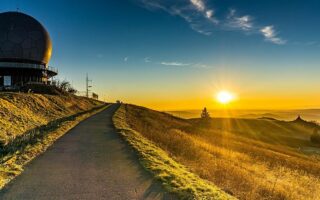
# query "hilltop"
(287, 115)
(293, 134)
(248, 158)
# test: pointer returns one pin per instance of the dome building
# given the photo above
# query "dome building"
(25, 51)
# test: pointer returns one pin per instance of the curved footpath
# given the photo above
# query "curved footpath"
(90, 162)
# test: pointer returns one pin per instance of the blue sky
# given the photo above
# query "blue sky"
(161, 53)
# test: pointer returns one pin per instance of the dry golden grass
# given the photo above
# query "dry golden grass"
(12, 165)
(174, 177)
(22, 112)
(237, 155)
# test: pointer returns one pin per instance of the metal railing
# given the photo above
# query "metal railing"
(28, 65)
(22, 65)
(53, 69)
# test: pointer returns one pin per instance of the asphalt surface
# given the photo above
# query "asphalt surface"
(90, 162)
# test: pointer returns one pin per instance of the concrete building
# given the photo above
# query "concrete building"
(25, 51)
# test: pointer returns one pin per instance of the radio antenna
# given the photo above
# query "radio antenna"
(88, 85)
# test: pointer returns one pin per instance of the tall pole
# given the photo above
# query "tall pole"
(88, 86)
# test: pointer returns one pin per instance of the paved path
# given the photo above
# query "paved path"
(89, 162)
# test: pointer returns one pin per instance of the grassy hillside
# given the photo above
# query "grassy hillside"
(295, 134)
(21, 112)
(30, 123)
(249, 158)
(175, 177)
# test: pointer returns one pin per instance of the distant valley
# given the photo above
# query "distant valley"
(288, 115)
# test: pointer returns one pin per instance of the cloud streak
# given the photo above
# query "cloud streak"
(195, 12)
(271, 35)
(181, 64)
(175, 64)
(199, 4)
(203, 19)
(202, 8)
(244, 22)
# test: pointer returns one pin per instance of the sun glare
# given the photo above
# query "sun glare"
(225, 97)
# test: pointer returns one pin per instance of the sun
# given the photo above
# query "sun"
(224, 97)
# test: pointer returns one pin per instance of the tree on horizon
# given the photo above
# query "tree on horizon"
(205, 114)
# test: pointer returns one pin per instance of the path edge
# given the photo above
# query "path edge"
(175, 177)
(13, 164)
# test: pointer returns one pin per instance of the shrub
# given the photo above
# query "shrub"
(65, 86)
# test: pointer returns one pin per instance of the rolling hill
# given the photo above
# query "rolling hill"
(248, 158)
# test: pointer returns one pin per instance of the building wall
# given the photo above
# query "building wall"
(20, 77)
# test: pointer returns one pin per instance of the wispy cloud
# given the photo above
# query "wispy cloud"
(202, 18)
(125, 59)
(271, 35)
(175, 64)
(209, 14)
(246, 23)
(234, 21)
(194, 12)
(182, 64)
(199, 4)
(203, 8)
(200, 65)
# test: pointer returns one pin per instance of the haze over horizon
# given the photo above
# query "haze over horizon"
(175, 55)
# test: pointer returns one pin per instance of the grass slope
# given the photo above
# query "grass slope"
(20, 112)
(288, 133)
(23, 112)
(175, 177)
(251, 159)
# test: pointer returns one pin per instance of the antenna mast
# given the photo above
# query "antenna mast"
(88, 86)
